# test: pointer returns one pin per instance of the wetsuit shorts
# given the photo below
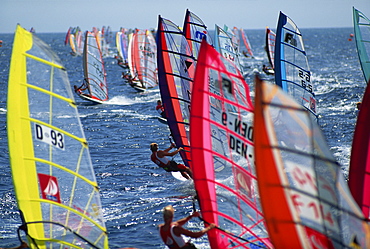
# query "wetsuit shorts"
(174, 166)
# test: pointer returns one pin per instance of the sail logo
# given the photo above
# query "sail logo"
(289, 38)
(49, 187)
(200, 35)
(243, 182)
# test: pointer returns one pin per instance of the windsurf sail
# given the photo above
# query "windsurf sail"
(270, 46)
(292, 72)
(359, 170)
(143, 60)
(122, 44)
(53, 177)
(224, 45)
(304, 196)
(176, 66)
(66, 40)
(249, 52)
(72, 43)
(95, 86)
(235, 38)
(195, 31)
(131, 60)
(221, 136)
(149, 65)
(79, 41)
(362, 35)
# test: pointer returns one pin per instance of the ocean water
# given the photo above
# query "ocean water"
(133, 189)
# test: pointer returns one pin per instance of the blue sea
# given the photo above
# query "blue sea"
(133, 189)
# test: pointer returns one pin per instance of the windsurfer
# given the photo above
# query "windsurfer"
(160, 109)
(79, 90)
(171, 232)
(127, 76)
(267, 70)
(159, 157)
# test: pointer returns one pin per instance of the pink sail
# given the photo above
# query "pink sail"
(359, 171)
(221, 136)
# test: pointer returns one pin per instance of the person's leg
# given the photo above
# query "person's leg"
(185, 169)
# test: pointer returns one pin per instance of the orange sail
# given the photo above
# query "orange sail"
(304, 197)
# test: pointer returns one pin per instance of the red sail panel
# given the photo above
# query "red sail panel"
(222, 152)
(297, 173)
(175, 62)
(359, 171)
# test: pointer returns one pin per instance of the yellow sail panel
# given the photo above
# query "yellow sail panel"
(19, 133)
(54, 181)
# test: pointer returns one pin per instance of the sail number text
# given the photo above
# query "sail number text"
(49, 136)
(243, 129)
(305, 80)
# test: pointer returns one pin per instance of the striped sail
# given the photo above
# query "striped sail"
(95, 87)
(304, 196)
(224, 45)
(247, 45)
(195, 31)
(362, 34)
(222, 154)
(149, 52)
(175, 73)
(54, 181)
(270, 46)
(122, 44)
(292, 72)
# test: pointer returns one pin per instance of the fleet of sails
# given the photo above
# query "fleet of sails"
(229, 142)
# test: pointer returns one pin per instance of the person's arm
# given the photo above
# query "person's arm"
(169, 148)
(163, 153)
(182, 221)
(178, 230)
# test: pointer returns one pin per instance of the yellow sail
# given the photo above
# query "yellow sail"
(52, 173)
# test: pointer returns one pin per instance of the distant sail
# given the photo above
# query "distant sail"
(270, 46)
(222, 154)
(359, 170)
(143, 60)
(131, 61)
(304, 196)
(247, 45)
(224, 45)
(66, 40)
(95, 86)
(150, 72)
(122, 45)
(53, 177)
(195, 31)
(176, 67)
(362, 34)
(292, 72)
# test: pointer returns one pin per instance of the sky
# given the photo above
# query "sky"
(53, 16)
